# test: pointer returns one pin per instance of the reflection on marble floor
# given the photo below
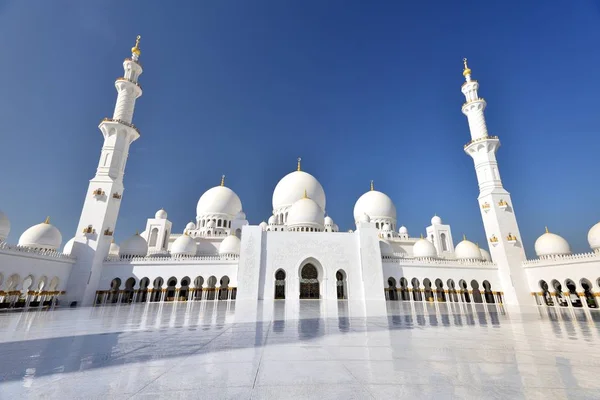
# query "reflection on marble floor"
(308, 349)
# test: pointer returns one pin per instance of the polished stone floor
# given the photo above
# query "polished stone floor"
(292, 349)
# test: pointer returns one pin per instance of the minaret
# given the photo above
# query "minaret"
(496, 207)
(104, 195)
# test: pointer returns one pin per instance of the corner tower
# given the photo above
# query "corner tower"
(103, 197)
(497, 212)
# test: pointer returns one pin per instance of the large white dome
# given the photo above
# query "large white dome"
(184, 245)
(230, 246)
(291, 188)
(467, 250)
(594, 237)
(4, 226)
(551, 244)
(376, 205)
(219, 200)
(423, 248)
(41, 236)
(135, 246)
(306, 212)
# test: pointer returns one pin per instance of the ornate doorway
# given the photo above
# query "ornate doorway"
(309, 282)
(280, 284)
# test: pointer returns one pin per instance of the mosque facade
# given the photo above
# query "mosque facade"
(298, 252)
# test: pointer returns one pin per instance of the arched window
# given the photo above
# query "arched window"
(404, 294)
(439, 291)
(280, 285)
(452, 295)
(171, 288)
(427, 289)
(198, 282)
(212, 283)
(444, 242)
(185, 288)
(417, 296)
(465, 290)
(487, 292)
(224, 288)
(219, 222)
(153, 237)
(560, 298)
(143, 292)
(392, 293)
(573, 295)
(476, 292)
(546, 293)
(340, 279)
(309, 282)
(588, 293)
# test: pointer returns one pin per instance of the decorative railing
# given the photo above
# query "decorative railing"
(480, 140)
(121, 78)
(473, 101)
(437, 261)
(168, 258)
(120, 121)
(7, 248)
(562, 259)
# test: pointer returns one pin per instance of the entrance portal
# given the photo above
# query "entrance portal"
(309, 282)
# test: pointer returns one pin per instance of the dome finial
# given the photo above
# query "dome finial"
(305, 194)
(222, 180)
(372, 187)
(421, 236)
(299, 159)
(47, 221)
(467, 70)
(547, 231)
(135, 50)
(137, 233)
(464, 237)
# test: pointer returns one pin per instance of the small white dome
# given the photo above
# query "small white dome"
(423, 248)
(328, 221)
(114, 249)
(230, 245)
(263, 225)
(485, 254)
(336, 228)
(364, 218)
(387, 227)
(190, 226)
(68, 248)
(593, 237)
(386, 248)
(376, 205)
(205, 247)
(551, 244)
(306, 212)
(184, 245)
(292, 187)
(4, 226)
(241, 215)
(272, 220)
(211, 224)
(467, 250)
(134, 246)
(161, 214)
(43, 236)
(403, 230)
(436, 220)
(219, 200)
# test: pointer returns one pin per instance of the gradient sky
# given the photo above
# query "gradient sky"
(360, 90)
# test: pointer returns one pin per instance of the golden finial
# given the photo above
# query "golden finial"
(137, 233)
(421, 236)
(305, 194)
(47, 221)
(547, 231)
(222, 180)
(372, 187)
(299, 159)
(464, 237)
(467, 70)
(135, 50)
(477, 244)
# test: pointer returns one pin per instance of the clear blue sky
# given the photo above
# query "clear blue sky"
(360, 90)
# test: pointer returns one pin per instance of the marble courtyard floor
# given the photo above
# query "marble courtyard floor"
(291, 349)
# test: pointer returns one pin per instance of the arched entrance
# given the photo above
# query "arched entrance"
(404, 294)
(280, 285)
(488, 293)
(588, 293)
(309, 282)
(392, 293)
(560, 298)
(546, 293)
(573, 295)
(340, 279)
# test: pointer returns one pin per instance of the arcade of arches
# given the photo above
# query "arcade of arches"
(555, 294)
(439, 291)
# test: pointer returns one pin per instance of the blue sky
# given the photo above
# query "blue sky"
(360, 90)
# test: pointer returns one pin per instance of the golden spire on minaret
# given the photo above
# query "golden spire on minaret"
(372, 187)
(467, 70)
(464, 237)
(135, 50)
(299, 159)
(222, 180)
(547, 231)
(47, 221)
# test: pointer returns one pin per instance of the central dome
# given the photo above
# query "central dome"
(219, 200)
(306, 212)
(376, 205)
(292, 187)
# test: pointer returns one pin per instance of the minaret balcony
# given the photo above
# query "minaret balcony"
(128, 80)
(120, 121)
(481, 139)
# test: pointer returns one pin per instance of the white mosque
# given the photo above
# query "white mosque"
(299, 253)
